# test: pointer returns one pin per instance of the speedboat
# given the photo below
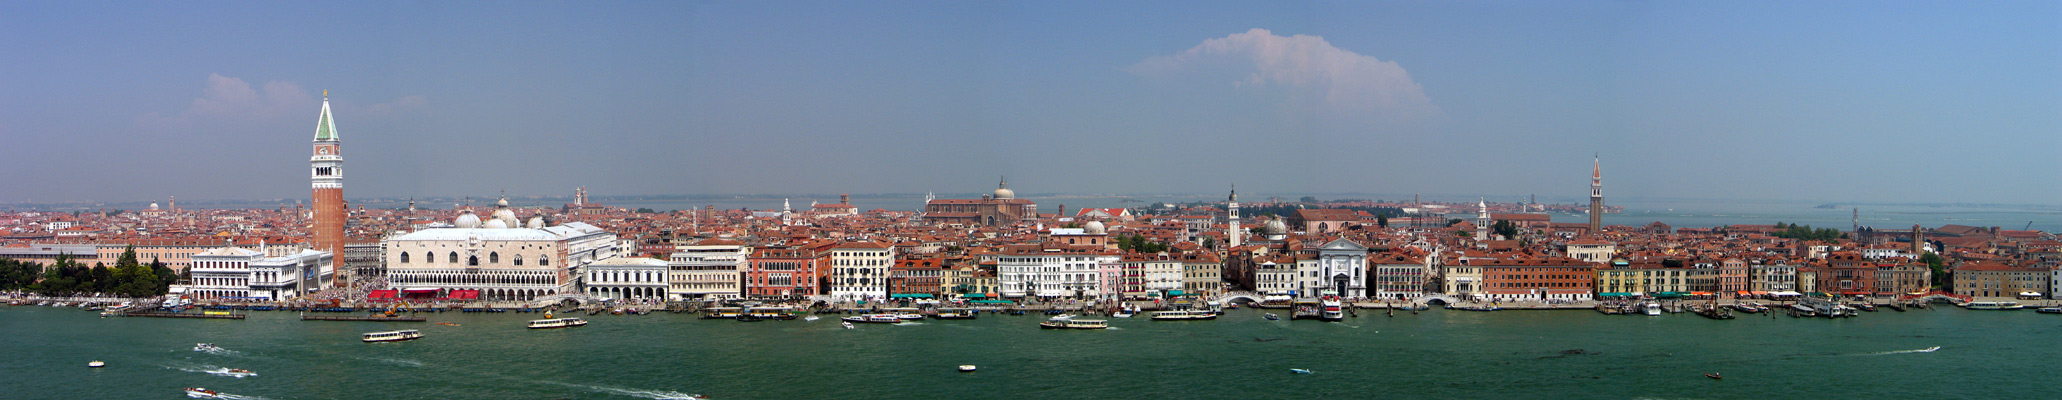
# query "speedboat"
(205, 347)
(95, 364)
(1930, 349)
(1653, 309)
(1299, 370)
(848, 324)
(1272, 317)
(2049, 310)
(1713, 375)
(966, 368)
(202, 393)
(239, 373)
(811, 318)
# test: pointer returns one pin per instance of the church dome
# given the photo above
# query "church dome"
(467, 220)
(1275, 227)
(506, 217)
(153, 206)
(501, 203)
(497, 224)
(1094, 228)
(1005, 194)
(536, 222)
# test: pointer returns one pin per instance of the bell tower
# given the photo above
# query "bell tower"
(1596, 197)
(1232, 235)
(327, 174)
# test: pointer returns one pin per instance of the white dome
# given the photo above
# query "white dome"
(536, 222)
(501, 203)
(1275, 227)
(153, 206)
(467, 220)
(497, 224)
(1005, 194)
(1092, 228)
(507, 217)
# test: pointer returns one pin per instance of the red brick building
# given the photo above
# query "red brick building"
(1534, 279)
(779, 271)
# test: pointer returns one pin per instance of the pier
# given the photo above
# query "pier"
(381, 318)
(155, 314)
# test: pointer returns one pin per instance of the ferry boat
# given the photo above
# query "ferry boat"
(2049, 310)
(393, 336)
(555, 323)
(1331, 311)
(1183, 315)
(721, 313)
(955, 313)
(780, 313)
(1070, 323)
(202, 393)
(905, 313)
(875, 318)
(1994, 305)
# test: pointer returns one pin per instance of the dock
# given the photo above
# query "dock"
(157, 314)
(379, 318)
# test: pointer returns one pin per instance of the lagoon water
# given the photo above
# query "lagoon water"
(1436, 354)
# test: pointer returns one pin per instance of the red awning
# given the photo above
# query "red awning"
(463, 295)
(383, 294)
(420, 290)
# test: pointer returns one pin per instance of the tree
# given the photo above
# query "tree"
(1506, 228)
(1382, 220)
(1939, 268)
(1308, 199)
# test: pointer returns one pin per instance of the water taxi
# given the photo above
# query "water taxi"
(1750, 308)
(1653, 309)
(847, 324)
(393, 336)
(1071, 323)
(1299, 370)
(1183, 315)
(780, 313)
(954, 313)
(966, 368)
(1272, 317)
(95, 364)
(2049, 310)
(205, 347)
(555, 323)
(202, 393)
(1994, 305)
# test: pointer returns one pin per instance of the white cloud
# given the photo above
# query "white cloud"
(1309, 68)
(231, 102)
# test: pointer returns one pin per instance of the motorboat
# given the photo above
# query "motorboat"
(811, 318)
(1299, 370)
(2049, 310)
(967, 368)
(95, 364)
(555, 323)
(205, 347)
(1994, 305)
(238, 372)
(910, 316)
(875, 318)
(1870, 307)
(393, 336)
(1070, 323)
(1653, 309)
(1750, 308)
(202, 393)
(847, 324)
(1183, 315)
(1713, 375)
(721, 313)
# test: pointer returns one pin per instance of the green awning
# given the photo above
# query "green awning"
(1614, 294)
(992, 302)
(974, 295)
(910, 296)
(1152, 294)
(1668, 295)
(1176, 292)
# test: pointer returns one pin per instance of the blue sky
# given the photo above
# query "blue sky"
(1821, 101)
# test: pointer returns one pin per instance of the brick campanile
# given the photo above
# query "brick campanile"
(327, 174)
(1596, 197)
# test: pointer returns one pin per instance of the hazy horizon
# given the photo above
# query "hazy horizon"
(1843, 102)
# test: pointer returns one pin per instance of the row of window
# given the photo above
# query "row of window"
(492, 258)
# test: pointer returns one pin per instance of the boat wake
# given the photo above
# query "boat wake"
(233, 396)
(213, 370)
(1924, 350)
(641, 393)
(908, 323)
(400, 362)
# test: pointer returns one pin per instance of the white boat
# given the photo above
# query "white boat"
(1930, 349)
(1994, 305)
(1299, 370)
(392, 336)
(1071, 323)
(95, 364)
(811, 318)
(1653, 309)
(910, 316)
(1183, 315)
(202, 393)
(1331, 311)
(557, 323)
(1272, 317)
(2049, 310)
(966, 368)
(875, 318)
(205, 347)
(232, 372)
(848, 325)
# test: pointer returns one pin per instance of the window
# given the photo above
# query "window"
(493, 258)
(518, 259)
(454, 257)
(404, 258)
(544, 260)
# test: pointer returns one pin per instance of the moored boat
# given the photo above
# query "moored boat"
(1330, 310)
(1653, 309)
(1994, 305)
(721, 312)
(2049, 310)
(954, 313)
(555, 323)
(392, 336)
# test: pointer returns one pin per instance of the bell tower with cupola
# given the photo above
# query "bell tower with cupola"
(327, 174)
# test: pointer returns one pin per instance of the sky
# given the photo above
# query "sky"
(1813, 100)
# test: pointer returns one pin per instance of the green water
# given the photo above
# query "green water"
(1438, 354)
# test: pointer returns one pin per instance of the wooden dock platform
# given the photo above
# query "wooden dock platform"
(180, 315)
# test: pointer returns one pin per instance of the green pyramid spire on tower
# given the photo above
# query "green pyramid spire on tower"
(325, 128)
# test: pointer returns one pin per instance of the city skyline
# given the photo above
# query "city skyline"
(1807, 102)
